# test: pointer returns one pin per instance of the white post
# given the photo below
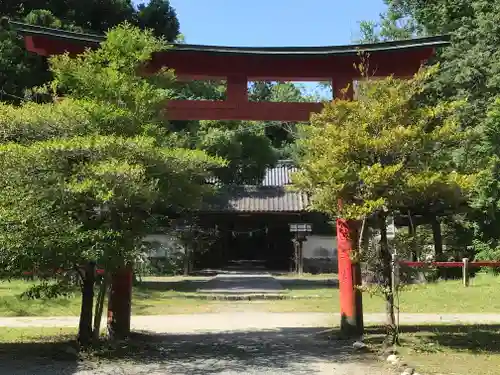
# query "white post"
(395, 282)
(465, 271)
(395, 262)
(395, 272)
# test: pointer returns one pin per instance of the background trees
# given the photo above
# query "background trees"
(469, 72)
(20, 70)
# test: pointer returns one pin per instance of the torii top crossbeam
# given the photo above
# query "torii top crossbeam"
(239, 65)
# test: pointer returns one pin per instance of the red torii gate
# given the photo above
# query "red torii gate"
(238, 66)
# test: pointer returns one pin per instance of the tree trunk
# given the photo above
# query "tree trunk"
(386, 265)
(438, 243)
(99, 308)
(85, 325)
(119, 304)
(412, 232)
(186, 260)
(194, 249)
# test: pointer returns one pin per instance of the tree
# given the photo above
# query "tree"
(98, 16)
(381, 155)
(159, 16)
(469, 70)
(20, 70)
(249, 146)
(433, 18)
(281, 135)
(98, 162)
(394, 24)
(243, 143)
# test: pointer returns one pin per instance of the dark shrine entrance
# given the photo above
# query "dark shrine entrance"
(248, 243)
(239, 65)
(250, 240)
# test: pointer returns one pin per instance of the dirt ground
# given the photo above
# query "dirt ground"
(253, 343)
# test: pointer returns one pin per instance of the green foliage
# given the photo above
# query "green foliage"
(159, 16)
(383, 152)
(244, 144)
(83, 177)
(433, 17)
(110, 74)
(470, 70)
(48, 290)
(394, 24)
(170, 265)
(368, 31)
(282, 135)
(99, 15)
(43, 17)
(20, 70)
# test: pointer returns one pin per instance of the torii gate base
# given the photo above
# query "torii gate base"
(238, 65)
(351, 298)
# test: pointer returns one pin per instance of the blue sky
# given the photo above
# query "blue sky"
(273, 22)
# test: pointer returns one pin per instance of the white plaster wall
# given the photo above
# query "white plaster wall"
(320, 247)
(162, 244)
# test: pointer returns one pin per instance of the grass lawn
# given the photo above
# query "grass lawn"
(448, 349)
(157, 296)
(36, 334)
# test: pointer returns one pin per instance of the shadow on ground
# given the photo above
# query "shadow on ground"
(290, 351)
(54, 356)
(473, 338)
(304, 284)
(192, 286)
(187, 286)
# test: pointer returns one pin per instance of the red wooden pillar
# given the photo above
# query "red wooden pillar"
(351, 302)
(237, 90)
(120, 303)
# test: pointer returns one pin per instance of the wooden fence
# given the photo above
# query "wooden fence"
(465, 264)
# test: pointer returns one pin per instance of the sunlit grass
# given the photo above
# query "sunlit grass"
(36, 334)
(452, 297)
(447, 349)
(170, 298)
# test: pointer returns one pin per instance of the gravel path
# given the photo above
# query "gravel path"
(291, 352)
(244, 321)
(224, 344)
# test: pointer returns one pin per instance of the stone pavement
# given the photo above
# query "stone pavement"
(242, 283)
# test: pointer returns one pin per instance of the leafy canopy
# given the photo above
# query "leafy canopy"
(470, 70)
(87, 175)
(21, 70)
(382, 151)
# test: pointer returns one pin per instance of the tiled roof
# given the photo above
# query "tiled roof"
(279, 175)
(271, 195)
(257, 199)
